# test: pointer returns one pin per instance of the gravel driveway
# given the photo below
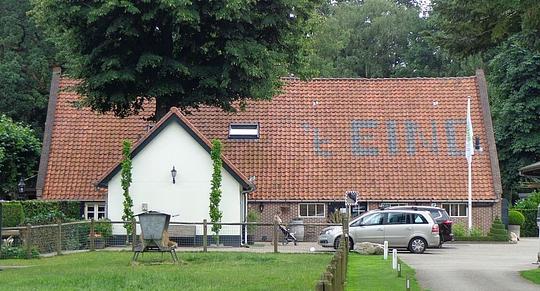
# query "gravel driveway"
(478, 266)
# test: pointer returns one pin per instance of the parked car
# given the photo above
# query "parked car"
(441, 217)
(414, 230)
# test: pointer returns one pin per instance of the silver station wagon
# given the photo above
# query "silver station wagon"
(414, 230)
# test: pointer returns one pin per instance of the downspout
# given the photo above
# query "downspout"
(245, 193)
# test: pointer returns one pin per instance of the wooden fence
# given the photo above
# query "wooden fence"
(335, 275)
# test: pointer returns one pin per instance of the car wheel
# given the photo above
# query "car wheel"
(338, 240)
(417, 245)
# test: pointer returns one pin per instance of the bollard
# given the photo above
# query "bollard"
(275, 236)
(407, 284)
(59, 239)
(205, 236)
(385, 254)
(399, 270)
(92, 235)
(394, 259)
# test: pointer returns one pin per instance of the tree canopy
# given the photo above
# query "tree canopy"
(182, 53)
(25, 63)
(19, 154)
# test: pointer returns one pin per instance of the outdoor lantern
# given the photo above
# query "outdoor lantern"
(261, 207)
(477, 143)
(173, 174)
(21, 185)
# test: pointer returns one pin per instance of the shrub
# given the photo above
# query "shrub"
(498, 231)
(52, 217)
(71, 209)
(252, 216)
(458, 229)
(34, 208)
(515, 217)
(476, 232)
(10, 252)
(12, 214)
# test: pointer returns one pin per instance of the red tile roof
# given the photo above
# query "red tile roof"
(318, 139)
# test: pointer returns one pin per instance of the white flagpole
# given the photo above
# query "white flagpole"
(469, 152)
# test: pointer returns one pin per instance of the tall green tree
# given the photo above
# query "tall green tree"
(25, 62)
(515, 83)
(215, 190)
(471, 27)
(19, 153)
(182, 53)
(126, 183)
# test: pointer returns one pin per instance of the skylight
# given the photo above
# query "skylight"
(244, 131)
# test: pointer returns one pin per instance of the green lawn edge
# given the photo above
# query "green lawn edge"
(107, 270)
(531, 275)
(374, 273)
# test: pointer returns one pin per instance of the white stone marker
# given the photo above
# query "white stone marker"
(385, 250)
(394, 259)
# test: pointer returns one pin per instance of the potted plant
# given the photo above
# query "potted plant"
(102, 230)
(515, 221)
(252, 216)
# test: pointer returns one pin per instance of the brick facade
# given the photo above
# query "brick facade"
(483, 216)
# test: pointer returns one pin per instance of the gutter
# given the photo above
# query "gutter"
(244, 194)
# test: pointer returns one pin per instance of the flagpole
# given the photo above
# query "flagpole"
(470, 196)
(469, 152)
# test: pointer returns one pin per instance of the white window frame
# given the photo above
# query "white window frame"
(452, 205)
(96, 211)
(244, 131)
(313, 205)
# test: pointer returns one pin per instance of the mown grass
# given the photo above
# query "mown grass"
(532, 275)
(374, 273)
(197, 271)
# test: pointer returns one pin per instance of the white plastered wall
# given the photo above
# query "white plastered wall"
(188, 198)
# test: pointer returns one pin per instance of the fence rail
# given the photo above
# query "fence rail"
(335, 275)
(92, 235)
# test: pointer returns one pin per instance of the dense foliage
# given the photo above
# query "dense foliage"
(25, 62)
(529, 208)
(498, 231)
(12, 214)
(21, 150)
(126, 182)
(182, 53)
(69, 209)
(515, 217)
(215, 191)
(515, 83)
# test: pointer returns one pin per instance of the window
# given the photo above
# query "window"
(455, 209)
(244, 131)
(373, 219)
(311, 210)
(419, 219)
(398, 218)
(94, 210)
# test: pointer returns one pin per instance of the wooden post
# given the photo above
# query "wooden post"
(28, 241)
(205, 236)
(133, 234)
(92, 235)
(328, 278)
(59, 239)
(275, 236)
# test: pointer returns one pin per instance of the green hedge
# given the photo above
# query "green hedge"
(529, 227)
(498, 231)
(12, 214)
(33, 208)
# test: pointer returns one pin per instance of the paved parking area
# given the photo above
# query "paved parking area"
(476, 266)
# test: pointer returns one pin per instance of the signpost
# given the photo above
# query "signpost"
(351, 199)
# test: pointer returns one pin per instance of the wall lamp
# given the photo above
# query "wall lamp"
(173, 174)
(261, 207)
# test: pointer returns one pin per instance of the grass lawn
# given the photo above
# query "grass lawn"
(198, 271)
(374, 273)
(532, 275)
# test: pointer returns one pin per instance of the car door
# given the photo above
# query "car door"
(369, 228)
(398, 229)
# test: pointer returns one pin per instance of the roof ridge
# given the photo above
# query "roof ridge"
(376, 79)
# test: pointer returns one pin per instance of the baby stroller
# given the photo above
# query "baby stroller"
(287, 235)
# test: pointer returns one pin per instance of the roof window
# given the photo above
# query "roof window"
(244, 131)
